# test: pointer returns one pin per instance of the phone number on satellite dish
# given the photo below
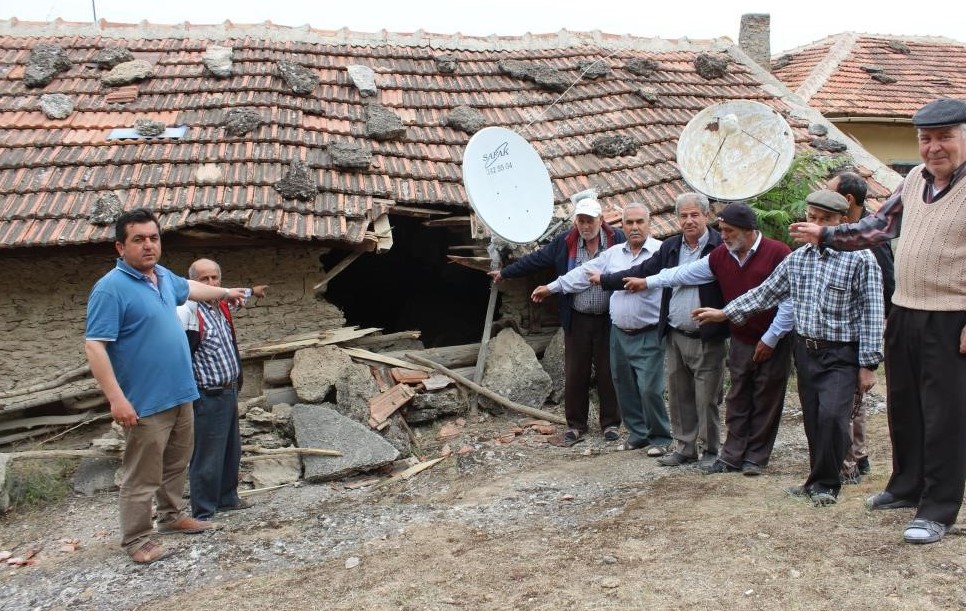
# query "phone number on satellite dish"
(489, 159)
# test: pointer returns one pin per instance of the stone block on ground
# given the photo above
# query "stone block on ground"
(4, 483)
(316, 370)
(513, 372)
(321, 426)
(275, 471)
(95, 475)
(553, 363)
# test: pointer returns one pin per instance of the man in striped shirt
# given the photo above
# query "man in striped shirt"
(839, 314)
(213, 472)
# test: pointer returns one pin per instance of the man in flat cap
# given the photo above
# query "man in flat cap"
(759, 354)
(837, 299)
(926, 331)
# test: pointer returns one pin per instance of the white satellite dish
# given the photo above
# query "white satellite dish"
(735, 150)
(508, 185)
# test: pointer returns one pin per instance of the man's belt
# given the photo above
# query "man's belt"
(216, 391)
(691, 334)
(819, 345)
(643, 329)
(588, 313)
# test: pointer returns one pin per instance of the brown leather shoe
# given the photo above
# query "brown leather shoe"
(149, 552)
(184, 525)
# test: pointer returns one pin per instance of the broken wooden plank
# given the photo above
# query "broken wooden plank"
(486, 392)
(77, 389)
(465, 354)
(30, 423)
(265, 453)
(382, 340)
(385, 404)
(336, 270)
(436, 382)
(416, 469)
(449, 221)
(365, 355)
(417, 212)
(382, 231)
(321, 338)
(478, 263)
(405, 375)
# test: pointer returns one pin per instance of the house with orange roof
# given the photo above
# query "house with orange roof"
(870, 85)
(286, 153)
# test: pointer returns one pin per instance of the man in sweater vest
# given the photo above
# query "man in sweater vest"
(837, 299)
(213, 471)
(926, 332)
(759, 355)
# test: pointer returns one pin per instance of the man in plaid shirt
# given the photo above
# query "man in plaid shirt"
(839, 315)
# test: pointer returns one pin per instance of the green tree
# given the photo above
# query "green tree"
(784, 203)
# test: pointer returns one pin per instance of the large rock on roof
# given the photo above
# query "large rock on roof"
(46, 61)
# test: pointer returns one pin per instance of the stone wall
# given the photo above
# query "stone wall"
(43, 299)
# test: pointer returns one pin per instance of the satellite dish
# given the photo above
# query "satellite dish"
(735, 150)
(508, 185)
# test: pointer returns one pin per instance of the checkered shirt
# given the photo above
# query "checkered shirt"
(593, 300)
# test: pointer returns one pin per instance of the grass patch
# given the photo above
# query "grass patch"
(39, 482)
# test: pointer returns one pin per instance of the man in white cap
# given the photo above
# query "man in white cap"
(926, 331)
(837, 301)
(584, 318)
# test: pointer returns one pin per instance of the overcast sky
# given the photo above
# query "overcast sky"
(793, 23)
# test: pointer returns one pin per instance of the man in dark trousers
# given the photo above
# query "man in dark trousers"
(213, 472)
(584, 318)
(695, 356)
(926, 333)
(837, 299)
(759, 354)
(853, 188)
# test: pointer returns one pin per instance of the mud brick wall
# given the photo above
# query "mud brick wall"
(43, 300)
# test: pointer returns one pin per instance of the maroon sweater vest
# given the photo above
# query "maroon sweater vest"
(736, 280)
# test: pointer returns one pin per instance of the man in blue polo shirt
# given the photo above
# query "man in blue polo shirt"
(139, 355)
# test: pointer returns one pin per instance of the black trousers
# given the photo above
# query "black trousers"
(587, 347)
(753, 407)
(827, 379)
(927, 410)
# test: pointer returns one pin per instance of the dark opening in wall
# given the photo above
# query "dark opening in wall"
(413, 286)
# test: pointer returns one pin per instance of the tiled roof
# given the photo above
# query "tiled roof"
(53, 171)
(872, 76)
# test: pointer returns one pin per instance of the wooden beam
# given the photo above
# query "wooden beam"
(450, 221)
(416, 212)
(486, 392)
(478, 263)
(365, 355)
(336, 270)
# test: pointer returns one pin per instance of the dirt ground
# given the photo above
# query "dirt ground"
(521, 525)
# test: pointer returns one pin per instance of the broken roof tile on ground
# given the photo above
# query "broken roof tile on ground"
(53, 171)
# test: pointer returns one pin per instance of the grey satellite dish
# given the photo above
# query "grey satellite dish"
(507, 184)
(735, 150)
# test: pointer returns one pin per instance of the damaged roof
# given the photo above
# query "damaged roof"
(874, 76)
(312, 134)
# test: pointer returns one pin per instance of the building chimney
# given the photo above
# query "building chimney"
(754, 38)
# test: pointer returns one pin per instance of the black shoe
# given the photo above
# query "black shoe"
(863, 466)
(887, 500)
(750, 469)
(719, 466)
(612, 433)
(676, 460)
(707, 459)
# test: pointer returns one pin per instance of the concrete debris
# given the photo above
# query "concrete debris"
(96, 475)
(429, 406)
(300, 79)
(46, 61)
(149, 127)
(817, 129)
(217, 60)
(321, 426)
(781, 62)
(884, 78)
(649, 94)
(278, 471)
(56, 105)
(616, 146)
(364, 79)
(446, 63)
(240, 121)
(829, 145)
(898, 47)
(106, 209)
(353, 390)
(316, 370)
(544, 76)
(553, 363)
(109, 57)
(383, 124)
(466, 118)
(872, 69)
(641, 67)
(593, 69)
(127, 73)
(297, 183)
(513, 372)
(711, 66)
(349, 156)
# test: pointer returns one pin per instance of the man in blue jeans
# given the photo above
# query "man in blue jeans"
(213, 472)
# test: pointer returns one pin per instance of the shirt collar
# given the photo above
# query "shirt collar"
(702, 241)
(822, 251)
(159, 271)
(651, 245)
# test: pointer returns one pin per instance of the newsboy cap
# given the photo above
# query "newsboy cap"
(739, 214)
(940, 113)
(828, 200)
